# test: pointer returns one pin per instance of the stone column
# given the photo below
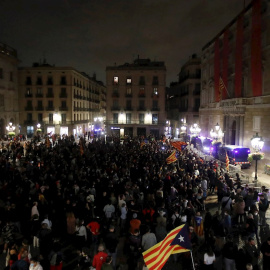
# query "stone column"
(241, 130)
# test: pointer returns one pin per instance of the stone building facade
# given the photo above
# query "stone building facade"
(235, 91)
(61, 99)
(9, 112)
(136, 98)
(183, 97)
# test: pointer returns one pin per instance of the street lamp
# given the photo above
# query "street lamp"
(257, 144)
(195, 129)
(217, 133)
(10, 128)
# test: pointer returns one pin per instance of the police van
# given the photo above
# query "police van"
(237, 155)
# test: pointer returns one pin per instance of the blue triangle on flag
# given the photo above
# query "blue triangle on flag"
(182, 239)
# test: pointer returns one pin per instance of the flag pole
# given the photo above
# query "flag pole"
(192, 260)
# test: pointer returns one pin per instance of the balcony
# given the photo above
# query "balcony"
(50, 108)
(28, 108)
(63, 95)
(141, 95)
(141, 108)
(39, 108)
(63, 108)
(49, 95)
(129, 95)
(155, 95)
(77, 96)
(29, 95)
(39, 95)
(155, 109)
(128, 108)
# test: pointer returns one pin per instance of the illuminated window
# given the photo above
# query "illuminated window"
(128, 80)
(154, 118)
(115, 80)
(155, 91)
(28, 91)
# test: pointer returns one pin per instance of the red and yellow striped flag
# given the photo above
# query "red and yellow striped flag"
(227, 162)
(171, 158)
(178, 145)
(176, 241)
(221, 88)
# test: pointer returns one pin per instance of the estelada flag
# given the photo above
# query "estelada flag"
(176, 241)
(227, 162)
(171, 158)
(178, 145)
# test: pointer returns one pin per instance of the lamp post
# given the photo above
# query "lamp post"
(184, 131)
(257, 144)
(10, 128)
(195, 129)
(217, 133)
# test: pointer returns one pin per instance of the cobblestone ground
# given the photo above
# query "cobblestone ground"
(174, 263)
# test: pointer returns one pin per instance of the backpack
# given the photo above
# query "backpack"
(177, 221)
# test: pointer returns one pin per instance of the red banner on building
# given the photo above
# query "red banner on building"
(217, 70)
(256, 49)
(225, 63)
(238, 57)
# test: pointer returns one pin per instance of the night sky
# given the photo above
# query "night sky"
(92, 34)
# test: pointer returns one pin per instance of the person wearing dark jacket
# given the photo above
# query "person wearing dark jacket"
(111, 242)
(229, 253)
(21, 264)
(265, 249)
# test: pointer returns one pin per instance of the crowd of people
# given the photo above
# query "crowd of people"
(91, 194)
